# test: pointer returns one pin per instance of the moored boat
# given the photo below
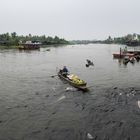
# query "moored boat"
(136, 52)
(29, 45)
(126, 59)
(82, 86)
(132, 59)
(137, 57)
(122, 55)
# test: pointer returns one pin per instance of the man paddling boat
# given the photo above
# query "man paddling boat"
(74, 81)
(64, 71)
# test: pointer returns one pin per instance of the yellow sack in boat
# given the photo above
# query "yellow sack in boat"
(76, 79)
(72, 76)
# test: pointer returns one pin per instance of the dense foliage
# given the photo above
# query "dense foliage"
(7, 39)
(130, 39)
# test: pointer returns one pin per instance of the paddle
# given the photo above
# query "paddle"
(53, 76)
(90, 86)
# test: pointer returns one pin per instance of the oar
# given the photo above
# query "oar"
(54, 76)
(90, 86)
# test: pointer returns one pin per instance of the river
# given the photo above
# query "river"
(36, 106)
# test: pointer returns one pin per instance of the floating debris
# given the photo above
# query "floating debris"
(61, 98)
(48, 49)
(120, 93)
(54, 89)
(47, 96)
(115, 87)
(127, 95)
(139, 104)
(89, 136)
(70, 89)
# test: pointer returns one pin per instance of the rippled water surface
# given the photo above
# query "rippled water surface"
(35, 106)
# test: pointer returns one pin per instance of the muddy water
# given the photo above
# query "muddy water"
(35, 106)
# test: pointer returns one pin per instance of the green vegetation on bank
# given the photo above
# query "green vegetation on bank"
(130, 39)
(12, 40)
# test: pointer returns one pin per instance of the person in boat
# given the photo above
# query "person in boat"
(125, 50)
(89, 63)
(64, 71)
(132, 59)
(126, 59)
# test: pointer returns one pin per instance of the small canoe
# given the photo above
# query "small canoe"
(126, 59)
(82, 87)
(132, 60)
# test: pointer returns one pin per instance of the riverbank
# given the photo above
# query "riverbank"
(8, 47)
(42, 46)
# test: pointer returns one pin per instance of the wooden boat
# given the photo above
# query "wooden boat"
(29, 46)
(134, 52)
(126, 59)
(132, 60)
(122, 55)
(82, 87)
(137, 57)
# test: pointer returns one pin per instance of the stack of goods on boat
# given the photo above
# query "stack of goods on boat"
(76, 80)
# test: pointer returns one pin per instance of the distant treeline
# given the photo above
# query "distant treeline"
(130, 39)
(85, 41)
(10, 39)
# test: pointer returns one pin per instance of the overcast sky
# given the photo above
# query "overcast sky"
(70, 19)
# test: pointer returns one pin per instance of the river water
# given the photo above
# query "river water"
(35, 106)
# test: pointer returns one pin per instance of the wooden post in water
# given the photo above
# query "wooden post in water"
(120, 52)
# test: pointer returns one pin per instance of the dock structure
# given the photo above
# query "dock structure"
(126, 53)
